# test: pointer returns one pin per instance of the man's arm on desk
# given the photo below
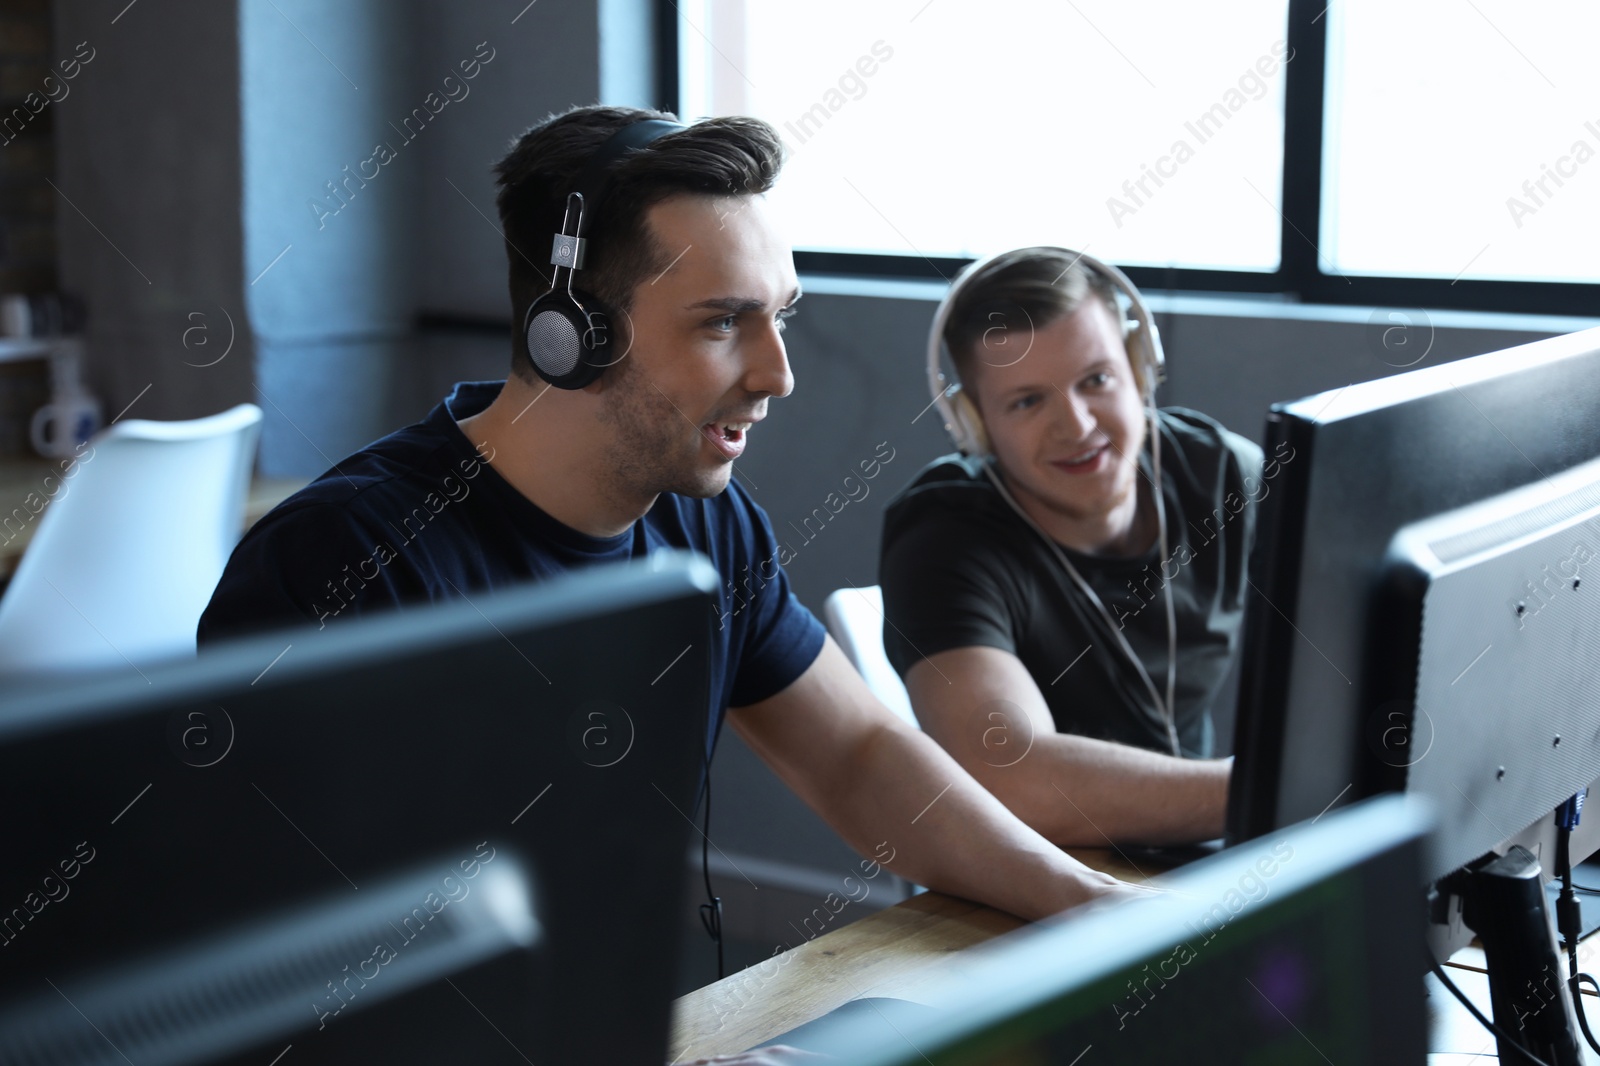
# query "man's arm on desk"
(1077, 791)
(883, 785)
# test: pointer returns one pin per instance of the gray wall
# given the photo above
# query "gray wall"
(545, 62)
(329, 286)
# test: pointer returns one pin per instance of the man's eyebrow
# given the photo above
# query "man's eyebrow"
(734, 305)
(738, 305)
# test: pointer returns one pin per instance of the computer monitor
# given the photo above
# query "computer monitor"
(1300, 947)
(1418, 622)
(1350, 632)
(447, 833)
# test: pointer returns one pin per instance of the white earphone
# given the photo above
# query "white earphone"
(965, 426)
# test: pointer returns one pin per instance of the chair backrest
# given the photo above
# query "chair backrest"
(855, 619)
(131, 545)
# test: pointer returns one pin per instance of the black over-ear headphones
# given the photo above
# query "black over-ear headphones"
(567, 332)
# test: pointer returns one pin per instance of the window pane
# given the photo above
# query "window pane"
(1462, 139)
(1141, 133)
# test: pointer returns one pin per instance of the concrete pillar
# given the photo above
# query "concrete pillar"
(150, 177)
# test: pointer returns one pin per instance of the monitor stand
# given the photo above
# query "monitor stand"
(1504, 903)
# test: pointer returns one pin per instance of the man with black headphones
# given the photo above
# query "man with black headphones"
(645, 353)
(1063, 598)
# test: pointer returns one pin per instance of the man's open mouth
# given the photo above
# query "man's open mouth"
(1083, 460)
(728, 437)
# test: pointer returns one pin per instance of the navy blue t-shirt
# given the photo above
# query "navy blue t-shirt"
(419, 516)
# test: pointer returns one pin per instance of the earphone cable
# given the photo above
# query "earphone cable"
(1170, 708)
(1505, 1039)
(710, 912)
(1089, 594)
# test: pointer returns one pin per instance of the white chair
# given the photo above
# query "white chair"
(855, 619)
(130, 546)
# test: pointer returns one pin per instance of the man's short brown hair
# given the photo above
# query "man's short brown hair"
(729, 156)
(1016, 293)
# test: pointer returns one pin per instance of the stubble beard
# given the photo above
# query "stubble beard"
(651, 449)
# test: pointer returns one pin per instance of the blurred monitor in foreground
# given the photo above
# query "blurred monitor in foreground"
(1304, 946)
(454, 833)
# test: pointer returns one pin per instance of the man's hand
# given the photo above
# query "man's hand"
(1126, 892)
(985, 709)
(776, 1055)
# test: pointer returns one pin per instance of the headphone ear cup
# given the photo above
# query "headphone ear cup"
(974, 434)
(567, 344)
(1131, 342)
(1142, 357)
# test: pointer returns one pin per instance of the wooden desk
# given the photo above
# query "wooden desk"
(20, 477)
(895, 952)
(904, 951)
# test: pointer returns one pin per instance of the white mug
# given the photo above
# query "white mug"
(61, 427)
(16, 315)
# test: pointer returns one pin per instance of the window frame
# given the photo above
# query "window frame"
(1299, 277)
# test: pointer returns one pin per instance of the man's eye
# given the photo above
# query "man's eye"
(1024, 402)
(783, 316)
(724, 324)
(1098, 381)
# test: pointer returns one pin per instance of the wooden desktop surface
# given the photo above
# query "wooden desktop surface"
(894, 953)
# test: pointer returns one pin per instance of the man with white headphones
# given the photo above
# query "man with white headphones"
(1062, 626)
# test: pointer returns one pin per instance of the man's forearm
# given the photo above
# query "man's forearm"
(949, 833)
(1075, 790)
(1079, 792)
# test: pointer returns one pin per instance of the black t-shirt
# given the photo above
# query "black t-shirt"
(419, 517)
(960, 568)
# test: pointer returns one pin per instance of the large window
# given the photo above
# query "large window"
(953, 128)
(1463, 139)
(1434, 153)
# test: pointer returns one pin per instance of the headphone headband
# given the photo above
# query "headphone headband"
(1143, 343)
(594, 180)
